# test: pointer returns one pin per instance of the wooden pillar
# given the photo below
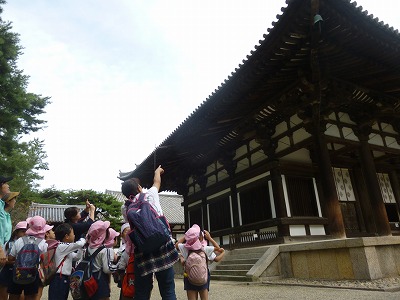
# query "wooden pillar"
(204, 214)
(201, 180)
(363, 199)
(182, 189)
(269, 145)
(235, 206)
(394, 181)
(371, 181)
(329, 199)
(312, 123)
(279, 198)
(230, 165)
(186, 214)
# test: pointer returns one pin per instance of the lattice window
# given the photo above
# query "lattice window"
(255, 205)
(220, 214)
(344, 187)
(386, 188)
(301, 196)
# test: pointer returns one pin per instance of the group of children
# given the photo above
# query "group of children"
(70, 250)
(68, 253)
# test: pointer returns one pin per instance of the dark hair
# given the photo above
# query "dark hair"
(13, 235)
(62, 230)
(130, 187)
(70, 212)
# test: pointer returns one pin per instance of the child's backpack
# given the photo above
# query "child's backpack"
(27, 261)
(149, 230)
(82, 284)
(47, 267)
(196, 268)
(128, 282)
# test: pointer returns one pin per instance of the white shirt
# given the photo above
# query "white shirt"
(153, 198)
(68, 250)
(103, 260)
(20, 243)
(209, 250)
(123, 261)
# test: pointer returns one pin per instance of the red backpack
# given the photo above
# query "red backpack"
(128, 283)
(47, 267)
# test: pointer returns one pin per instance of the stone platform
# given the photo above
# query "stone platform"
(367, 258)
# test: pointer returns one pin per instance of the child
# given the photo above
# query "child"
(65, 255)
(49, 236)
(37, 230)
(103, 263)
(194, 238)
(122, 258)
(7, 272)
(125, 228)
(111, 241)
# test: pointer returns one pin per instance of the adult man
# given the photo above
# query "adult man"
(161, 261)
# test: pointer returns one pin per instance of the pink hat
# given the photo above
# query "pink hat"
(109, 243)
(97, 233)
(38, 227)
(21, 225)
(192, 238)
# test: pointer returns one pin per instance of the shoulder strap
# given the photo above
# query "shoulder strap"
(61, 262)
(141, 196)
(93, 255)
(25, 239)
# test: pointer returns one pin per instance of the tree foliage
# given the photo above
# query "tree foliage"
(19, 116)
(107, 207)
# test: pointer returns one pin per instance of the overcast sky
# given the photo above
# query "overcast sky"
(123, 75)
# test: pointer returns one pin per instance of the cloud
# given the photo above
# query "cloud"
(123, 75)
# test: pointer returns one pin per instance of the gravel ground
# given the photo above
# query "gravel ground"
(385, 289)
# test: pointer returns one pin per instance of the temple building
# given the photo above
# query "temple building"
(302, 141)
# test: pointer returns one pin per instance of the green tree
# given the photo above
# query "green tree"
(107, 207)
(19, 116)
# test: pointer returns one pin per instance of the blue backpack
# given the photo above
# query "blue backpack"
(27, 261)
(82, 284)
(149, 230)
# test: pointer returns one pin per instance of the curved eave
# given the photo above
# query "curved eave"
(352, 36)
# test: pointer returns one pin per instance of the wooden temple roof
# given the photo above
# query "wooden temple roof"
(358, 59)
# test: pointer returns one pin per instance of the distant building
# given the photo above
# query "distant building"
(172, 208)
(53, 213)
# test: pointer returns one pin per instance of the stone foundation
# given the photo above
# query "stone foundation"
(353, 258)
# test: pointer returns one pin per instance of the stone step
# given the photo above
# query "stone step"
(230, 278)
(244, 255)
(229, 261)
(230, 272)
(234, 267)
(249, 251)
